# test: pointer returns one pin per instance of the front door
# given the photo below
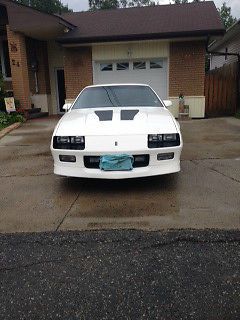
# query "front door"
(61, 92)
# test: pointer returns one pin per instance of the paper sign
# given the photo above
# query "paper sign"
(10, 104)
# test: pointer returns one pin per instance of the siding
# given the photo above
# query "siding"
(130, 50)
(196, 106)
(233, 46)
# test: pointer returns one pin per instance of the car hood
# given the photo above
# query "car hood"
(116, 121)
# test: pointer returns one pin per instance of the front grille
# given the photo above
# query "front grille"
(140, 161)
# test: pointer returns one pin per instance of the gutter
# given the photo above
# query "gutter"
(217, 53)
(226, 37)
(71, 39)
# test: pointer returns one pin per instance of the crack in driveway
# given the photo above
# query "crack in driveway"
(215, 170)
(131, 240)
(66, 214)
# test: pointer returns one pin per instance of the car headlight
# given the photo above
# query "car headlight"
(163, 140)
(69, 142)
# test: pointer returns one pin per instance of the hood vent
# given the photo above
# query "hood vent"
(104, 115)
(107, 115)
(128, 114)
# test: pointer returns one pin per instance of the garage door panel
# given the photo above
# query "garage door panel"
(106, 72)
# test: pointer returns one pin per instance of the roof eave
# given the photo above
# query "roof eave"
(132, 37)
(228, 35)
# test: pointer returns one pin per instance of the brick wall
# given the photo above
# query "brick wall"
(78, 70)
(19, 67)
(187, 68)
(8, 85)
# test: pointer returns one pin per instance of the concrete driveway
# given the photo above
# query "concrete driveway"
(205, 194)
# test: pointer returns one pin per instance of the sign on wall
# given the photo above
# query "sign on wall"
(10, 104)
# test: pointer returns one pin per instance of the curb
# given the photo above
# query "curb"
(7, 130)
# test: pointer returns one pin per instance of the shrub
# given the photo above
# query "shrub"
(4, 119)
(8, 119)
(2, 104)
(15, 117)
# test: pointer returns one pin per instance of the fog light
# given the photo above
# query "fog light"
(140, 158)
(67, 158)
(165, 156)
(94, 159)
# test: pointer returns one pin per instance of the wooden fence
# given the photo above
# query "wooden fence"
(221, 91)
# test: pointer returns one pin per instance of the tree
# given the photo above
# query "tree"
(226, 15)
(137, 3)
(181, 1)
(49, 6)
(103, 4)
(186, 1)
(114, 4)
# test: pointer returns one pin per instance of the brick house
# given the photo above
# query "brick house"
(47, 59)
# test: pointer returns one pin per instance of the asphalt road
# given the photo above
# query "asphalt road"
(120, 275)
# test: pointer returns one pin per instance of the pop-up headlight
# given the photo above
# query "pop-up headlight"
(69, 143)
(163, 140)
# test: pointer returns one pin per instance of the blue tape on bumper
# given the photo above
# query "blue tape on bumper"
(118, 162)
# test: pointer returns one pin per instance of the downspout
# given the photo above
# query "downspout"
(216, 53)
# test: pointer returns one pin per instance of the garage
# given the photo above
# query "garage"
(152, 72)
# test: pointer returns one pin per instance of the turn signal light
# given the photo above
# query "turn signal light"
(165, 156)
(67, 158)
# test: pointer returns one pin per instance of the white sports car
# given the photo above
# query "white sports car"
(117, 131)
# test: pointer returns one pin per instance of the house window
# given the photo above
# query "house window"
(106, 67)
(157, 64)
(226, 56)
(123, 66)
(5, 60)
(139, 65)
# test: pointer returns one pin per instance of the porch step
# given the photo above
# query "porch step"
(37, 115)
(33, 110)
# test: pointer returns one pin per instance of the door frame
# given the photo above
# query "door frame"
(57, 90)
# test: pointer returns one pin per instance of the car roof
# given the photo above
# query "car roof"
(117, 84)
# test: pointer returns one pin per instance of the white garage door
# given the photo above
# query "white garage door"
(152, 72)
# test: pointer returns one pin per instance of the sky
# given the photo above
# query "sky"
(80, 5)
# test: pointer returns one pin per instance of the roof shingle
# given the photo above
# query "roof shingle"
(159, 21)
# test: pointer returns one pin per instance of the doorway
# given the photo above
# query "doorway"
(61, 91)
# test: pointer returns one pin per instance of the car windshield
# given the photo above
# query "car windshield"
(117, 96)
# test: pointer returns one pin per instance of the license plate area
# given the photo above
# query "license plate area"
(139, 161)
(119, 162)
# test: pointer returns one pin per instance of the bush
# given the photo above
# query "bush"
(8, 119)
(2, 105)
(17, 118)
(4, 119)
(237, 115)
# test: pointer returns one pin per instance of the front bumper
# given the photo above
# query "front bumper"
(155, 167)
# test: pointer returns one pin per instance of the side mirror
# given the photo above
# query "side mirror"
(67, 106)
(168, 103)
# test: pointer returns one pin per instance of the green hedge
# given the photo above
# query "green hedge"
(8, 119)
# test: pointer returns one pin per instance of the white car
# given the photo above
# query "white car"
(117, 131)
